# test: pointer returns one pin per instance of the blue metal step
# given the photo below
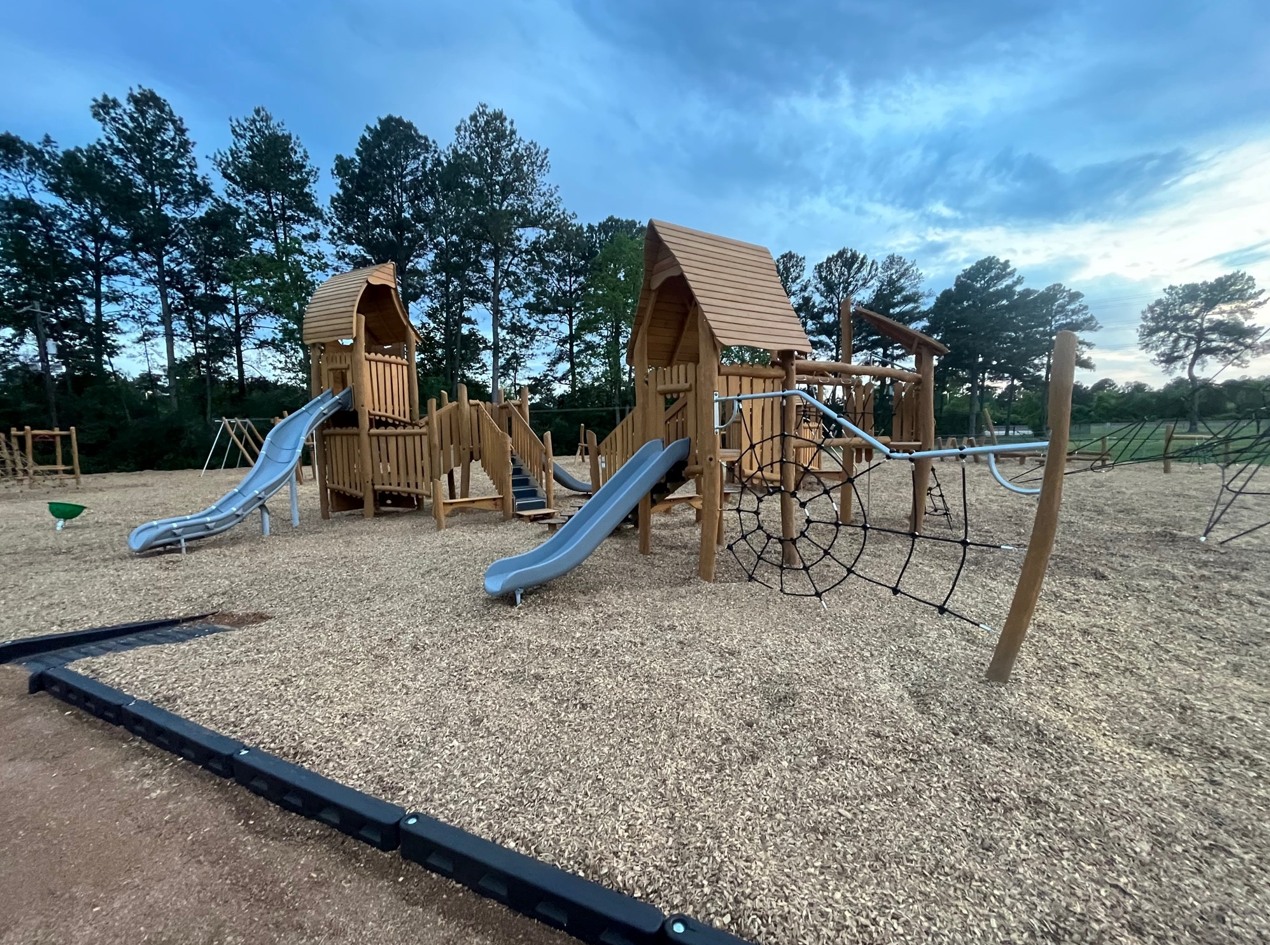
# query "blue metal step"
(528, 505)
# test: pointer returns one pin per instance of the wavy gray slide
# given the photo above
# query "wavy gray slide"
(582, 534)
(570, 481)
(273, 470)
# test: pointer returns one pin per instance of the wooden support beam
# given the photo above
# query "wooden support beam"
(925, 393)
(467, 446)
(823, 372)
(789, 473)
(361, 398)
(845, 351)
(1045, 527)
(644, 410)
(319, 438)
(593, 451)
(412, 382)
(710, 485)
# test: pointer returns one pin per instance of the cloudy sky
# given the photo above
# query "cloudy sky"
(1117, 146)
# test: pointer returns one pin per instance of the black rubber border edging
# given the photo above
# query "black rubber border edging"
(25, 647)
(552, 896)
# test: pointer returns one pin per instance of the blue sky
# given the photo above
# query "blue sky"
(1116, 146)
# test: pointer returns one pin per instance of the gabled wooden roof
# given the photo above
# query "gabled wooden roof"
(910, 339)
(733, 285)
(372, 290)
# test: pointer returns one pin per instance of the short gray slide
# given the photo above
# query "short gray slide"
(569, 481)
(582, 534)
(281, 452)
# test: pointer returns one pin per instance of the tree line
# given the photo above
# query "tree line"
(129, 247)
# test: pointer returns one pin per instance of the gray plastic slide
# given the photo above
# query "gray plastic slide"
(273, 470)
(582, 534)
(569, 481)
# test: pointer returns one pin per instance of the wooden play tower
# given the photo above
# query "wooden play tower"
(359, 336)
(703, 293)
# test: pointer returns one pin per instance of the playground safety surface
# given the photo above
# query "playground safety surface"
(790, 772)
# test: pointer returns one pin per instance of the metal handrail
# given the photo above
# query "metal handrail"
(887, 453)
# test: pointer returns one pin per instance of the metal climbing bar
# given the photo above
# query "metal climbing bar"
(874, 443)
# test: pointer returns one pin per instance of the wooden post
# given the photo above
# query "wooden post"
(445, 398)
(319, 440)
(524, 403)
(593, 448)
(1168, 443)
(789, 428)
(361, 393)
(925, 364)
(57, 453)
(466, 441)
(30, 459)
(844, 326)
(1041, 544)
(643, 408)
(438, 505)
(548, 474)
(710, 481)
(434, 446)
(509, 497)
(412, 382)
(75, 454)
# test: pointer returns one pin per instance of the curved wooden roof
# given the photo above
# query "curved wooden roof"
(733, 284)
(331, 314)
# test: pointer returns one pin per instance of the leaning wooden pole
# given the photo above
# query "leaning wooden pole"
(1041, 543)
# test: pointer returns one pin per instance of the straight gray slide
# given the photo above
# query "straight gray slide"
(274, 468)
(582, 534)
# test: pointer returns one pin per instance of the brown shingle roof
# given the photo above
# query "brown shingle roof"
(735, 285)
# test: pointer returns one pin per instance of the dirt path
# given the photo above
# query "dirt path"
(110, 840)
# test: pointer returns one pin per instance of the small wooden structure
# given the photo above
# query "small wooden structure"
(20, 462)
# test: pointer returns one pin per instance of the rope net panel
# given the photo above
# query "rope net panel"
(875, 544)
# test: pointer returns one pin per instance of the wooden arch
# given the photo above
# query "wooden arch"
(331, 315)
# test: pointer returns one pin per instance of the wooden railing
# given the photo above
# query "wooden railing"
(617, 448)
(495, 449)
(400, 461)
(759, 424)
(389, 387)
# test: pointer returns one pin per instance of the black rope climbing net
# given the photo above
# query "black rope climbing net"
(852, 522)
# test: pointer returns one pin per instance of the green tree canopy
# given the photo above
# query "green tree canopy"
(1191, 326)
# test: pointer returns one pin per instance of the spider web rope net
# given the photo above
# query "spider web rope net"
(875, 545)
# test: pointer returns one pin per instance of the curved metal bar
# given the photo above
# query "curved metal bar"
(996, 474)
(874, 443)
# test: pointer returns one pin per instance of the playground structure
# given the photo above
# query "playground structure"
(767, 428)
(19, 461)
